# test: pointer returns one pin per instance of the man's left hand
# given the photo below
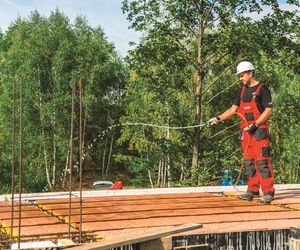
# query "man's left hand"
(251, 128)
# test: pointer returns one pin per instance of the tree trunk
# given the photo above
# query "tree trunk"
(168, 158)
(66, 169)
(43, 134)
(83, 136)
(158, 174)
(103, 158)
(46, 163)
(110, 151)
(54, 152)
(150, 178)
(164, 172)
(196, 148)
(69, 162)
(181, 172)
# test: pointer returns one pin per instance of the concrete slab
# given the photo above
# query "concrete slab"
(125, 192)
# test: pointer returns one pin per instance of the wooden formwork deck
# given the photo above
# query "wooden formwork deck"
(112, 216)
(35, 223)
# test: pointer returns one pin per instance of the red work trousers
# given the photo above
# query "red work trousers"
(257, 161)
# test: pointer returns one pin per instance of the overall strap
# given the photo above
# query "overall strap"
(258, 89)
(242, 93)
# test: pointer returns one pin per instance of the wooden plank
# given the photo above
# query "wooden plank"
(138, 199)
(39, 230)
(286, 201)
(34, 222)
(154, 214)
(289, 198)
(24, 214)
(141, 207)
(107, 205)
(16, 208)
(206, 219)
(213, 228)
(137, 237)
(64, 211)
(129, 198)
(6, 207)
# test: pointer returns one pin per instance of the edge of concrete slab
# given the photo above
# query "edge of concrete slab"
(128, 192)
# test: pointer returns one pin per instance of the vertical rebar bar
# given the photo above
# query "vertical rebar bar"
(80, 156)
(20, 164)
(71, 158)
(13, 162)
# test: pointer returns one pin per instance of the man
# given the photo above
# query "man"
(254, 103)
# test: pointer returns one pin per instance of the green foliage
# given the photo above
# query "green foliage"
(181, 73)
(185, 41)
(285, 126)
(49, 54)
(138, 170)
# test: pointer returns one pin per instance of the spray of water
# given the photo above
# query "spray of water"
(100, 137)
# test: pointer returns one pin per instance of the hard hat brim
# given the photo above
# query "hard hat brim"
(244, 71)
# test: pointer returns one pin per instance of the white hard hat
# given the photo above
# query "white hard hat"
(244, 66)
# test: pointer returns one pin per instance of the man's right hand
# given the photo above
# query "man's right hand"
(214, 121)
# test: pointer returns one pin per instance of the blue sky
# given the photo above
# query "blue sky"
(106, 13)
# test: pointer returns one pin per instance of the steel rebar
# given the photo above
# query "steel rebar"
(13, 161)
(71, 159)
(20, 165)
(80, 156)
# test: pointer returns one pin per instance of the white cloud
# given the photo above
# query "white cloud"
(10, 4)
(266, 10)
(289, 7)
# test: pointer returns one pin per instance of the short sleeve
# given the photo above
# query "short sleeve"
(266, 98)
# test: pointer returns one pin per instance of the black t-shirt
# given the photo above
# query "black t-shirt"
(264, 99)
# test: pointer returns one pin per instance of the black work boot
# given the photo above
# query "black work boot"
(266, 199)
(248, 196)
